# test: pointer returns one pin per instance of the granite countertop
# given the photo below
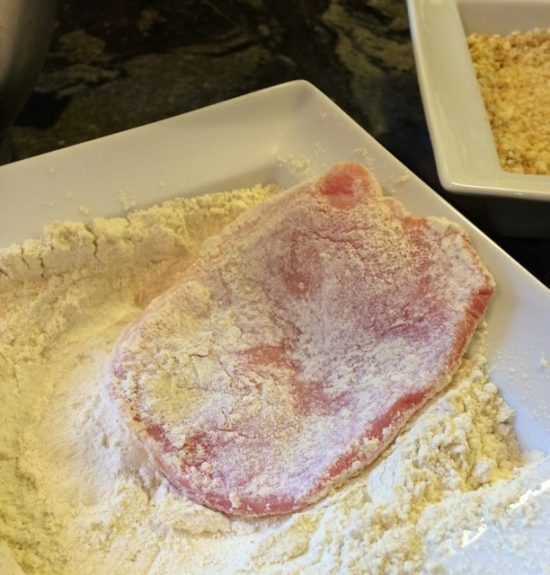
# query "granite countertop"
(124, 63)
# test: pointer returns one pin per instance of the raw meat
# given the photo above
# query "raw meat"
(298, 343)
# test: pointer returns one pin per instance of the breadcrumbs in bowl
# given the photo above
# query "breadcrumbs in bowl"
(466, 139)
(513, 72)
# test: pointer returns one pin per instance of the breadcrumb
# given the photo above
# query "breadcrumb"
(513, 72)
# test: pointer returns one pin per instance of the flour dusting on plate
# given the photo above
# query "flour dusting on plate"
(77, 494)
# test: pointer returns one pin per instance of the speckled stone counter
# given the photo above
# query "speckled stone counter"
(123, 63)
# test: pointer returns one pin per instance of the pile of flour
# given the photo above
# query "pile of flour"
(78, 495)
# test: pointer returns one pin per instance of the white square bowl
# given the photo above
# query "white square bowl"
(284, 135)
(463, 143)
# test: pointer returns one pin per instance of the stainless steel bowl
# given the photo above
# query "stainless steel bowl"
(25, 31)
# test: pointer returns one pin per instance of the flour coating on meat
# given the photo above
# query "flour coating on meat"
(298, 343)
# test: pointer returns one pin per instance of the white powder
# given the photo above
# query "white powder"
(77, 494)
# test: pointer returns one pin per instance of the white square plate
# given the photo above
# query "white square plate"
(283, 135)
(464, 148)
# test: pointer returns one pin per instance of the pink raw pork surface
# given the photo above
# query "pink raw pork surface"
(298, 343)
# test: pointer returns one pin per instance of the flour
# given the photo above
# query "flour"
(77, 494)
